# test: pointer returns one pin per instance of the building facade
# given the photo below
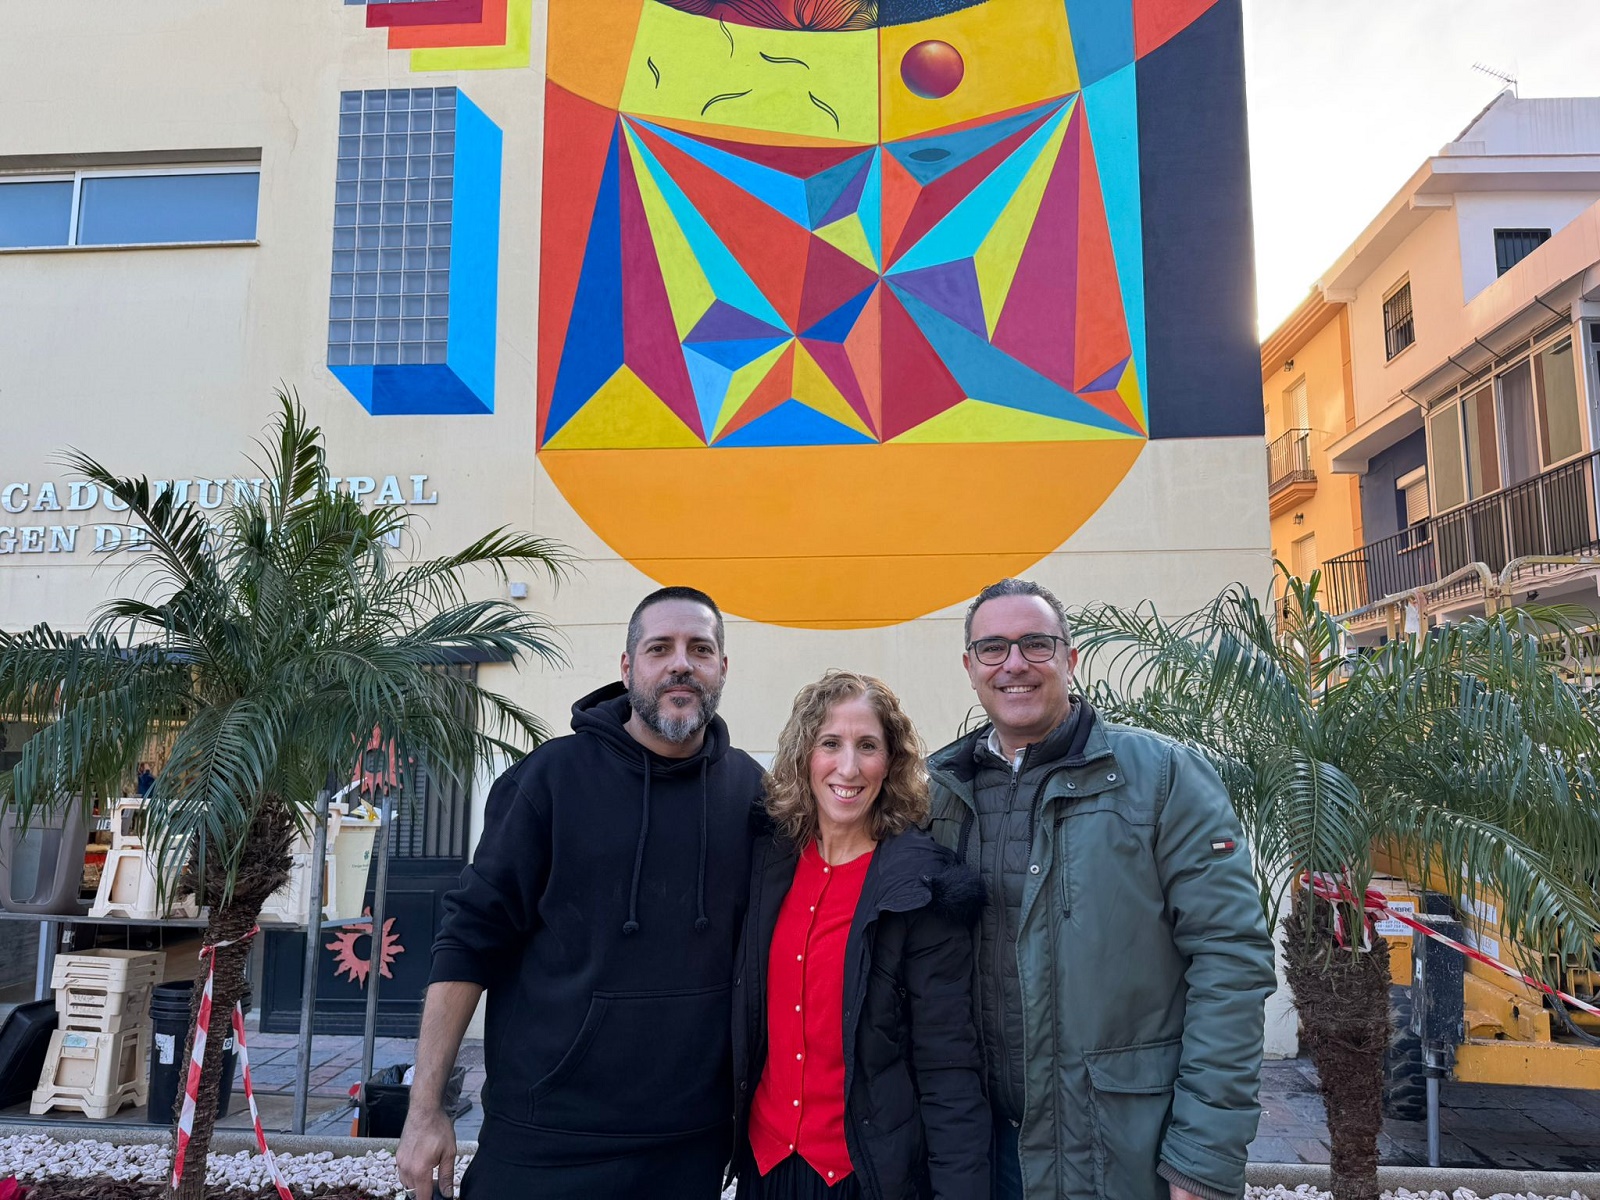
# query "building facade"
(839, 324)
(1473, 303)
(1308, 403)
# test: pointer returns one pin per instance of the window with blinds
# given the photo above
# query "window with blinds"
(1399, 330)
(1296, 408)
(1413, 490)
(1303, 556)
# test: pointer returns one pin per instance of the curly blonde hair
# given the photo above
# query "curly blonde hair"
(902, 803)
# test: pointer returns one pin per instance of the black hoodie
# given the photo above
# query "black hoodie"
(601, 911)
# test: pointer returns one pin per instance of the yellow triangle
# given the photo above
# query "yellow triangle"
(1128, 389)
(742, 384)
(997, 258)
(689, 293)
(849, 235)
(815, 390)
(980, 421)
(623, 415)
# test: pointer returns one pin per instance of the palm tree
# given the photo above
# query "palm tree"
(1463, 755)
(271, 646)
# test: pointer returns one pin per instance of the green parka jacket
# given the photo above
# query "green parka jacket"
(1144, 964)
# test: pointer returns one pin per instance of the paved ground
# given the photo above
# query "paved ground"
(1523, 1128)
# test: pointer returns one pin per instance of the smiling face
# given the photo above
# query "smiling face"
(674, 674)
(849, 763)
(1025, 700)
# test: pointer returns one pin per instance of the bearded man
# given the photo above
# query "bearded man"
(600, 915)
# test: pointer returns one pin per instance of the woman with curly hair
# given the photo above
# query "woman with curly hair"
(855, 1052)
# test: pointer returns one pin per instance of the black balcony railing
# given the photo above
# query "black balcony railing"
(1289, 460)
(1554, 513)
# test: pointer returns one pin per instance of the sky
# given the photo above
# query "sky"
(1349, 97)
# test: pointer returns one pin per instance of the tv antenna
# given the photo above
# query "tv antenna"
(1504, 77)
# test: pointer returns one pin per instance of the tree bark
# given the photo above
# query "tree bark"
(264, 868)
(1342, 996)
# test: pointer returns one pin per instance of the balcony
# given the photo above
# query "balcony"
(1290, 479)
(1554, 513)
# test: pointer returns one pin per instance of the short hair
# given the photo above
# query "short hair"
(1016, 587)
(661, 595)
(901, 804)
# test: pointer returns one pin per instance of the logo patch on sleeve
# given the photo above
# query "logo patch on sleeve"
(1222, 846)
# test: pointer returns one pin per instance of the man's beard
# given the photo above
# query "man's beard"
(674, 725)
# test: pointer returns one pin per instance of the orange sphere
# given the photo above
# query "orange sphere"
(932, 69)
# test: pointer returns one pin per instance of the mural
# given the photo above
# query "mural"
(457, 35)
(845, 306)
(416, 251)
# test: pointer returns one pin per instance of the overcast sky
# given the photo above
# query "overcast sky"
(1348, 97)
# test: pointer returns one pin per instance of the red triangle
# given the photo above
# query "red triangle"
(649, 336)
(899, 197)
(1102, 325)
(832, 277)
(934, 202)
(916, 383)
(771, 248)
(1036, 324)
(773, 390)
(834, 360)
(1112, 404)
(1155, 22)
(863, 348)
(578, 136)
(800, 161)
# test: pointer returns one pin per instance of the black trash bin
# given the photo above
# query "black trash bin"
(169, 1015)
(387, 1101)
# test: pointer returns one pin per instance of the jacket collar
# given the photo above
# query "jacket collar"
(1077, 742)
(900, 878)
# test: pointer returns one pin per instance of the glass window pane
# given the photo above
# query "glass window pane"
(1483, 454)
(1560, 416)
(35, 213)
(1444, 459)
(142, 209)
(1516, 423)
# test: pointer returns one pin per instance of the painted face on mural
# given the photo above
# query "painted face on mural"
(1024, 699)
(675, 673)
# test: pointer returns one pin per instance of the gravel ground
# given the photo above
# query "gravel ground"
(36, 1159)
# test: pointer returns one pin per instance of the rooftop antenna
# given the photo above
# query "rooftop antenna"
(1504, 77)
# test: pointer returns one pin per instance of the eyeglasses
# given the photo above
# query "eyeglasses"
(1035, 647)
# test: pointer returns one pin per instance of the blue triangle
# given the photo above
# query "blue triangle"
(836, 326)
(793, 424)
(593, 349)
(824, 189)
(738, 353)
(927, 158)
(780, 192)
(710, 380)
(992, 375)
(1108, 382)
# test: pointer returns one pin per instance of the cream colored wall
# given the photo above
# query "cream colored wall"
(162, 362)
(1334, 512)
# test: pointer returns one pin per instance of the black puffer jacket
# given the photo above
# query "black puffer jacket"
(916, 1122)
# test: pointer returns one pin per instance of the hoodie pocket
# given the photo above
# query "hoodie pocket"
(1132, 1104)
(644, 1064)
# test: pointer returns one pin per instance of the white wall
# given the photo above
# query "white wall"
(1479, 214)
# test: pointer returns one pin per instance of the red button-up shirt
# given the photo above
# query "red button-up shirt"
(799, 1104)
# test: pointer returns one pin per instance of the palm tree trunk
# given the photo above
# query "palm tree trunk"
(1342, 996)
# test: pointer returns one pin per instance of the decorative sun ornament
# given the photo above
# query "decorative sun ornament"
(356, 966)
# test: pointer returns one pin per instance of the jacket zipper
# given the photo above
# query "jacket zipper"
(1018, 765)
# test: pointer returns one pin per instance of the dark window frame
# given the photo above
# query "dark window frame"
(1511, 246)
(1399, 320)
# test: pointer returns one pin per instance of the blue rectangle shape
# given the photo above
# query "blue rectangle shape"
(475, 250)
(131, 210)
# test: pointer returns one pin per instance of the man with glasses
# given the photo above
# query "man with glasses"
(1123, 961)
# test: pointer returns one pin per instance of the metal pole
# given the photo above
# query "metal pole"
(308, 986)
(375, 954)
(47, 960)
(1433, 1120)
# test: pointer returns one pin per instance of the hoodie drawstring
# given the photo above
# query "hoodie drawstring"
(631, 925)
(701, 923)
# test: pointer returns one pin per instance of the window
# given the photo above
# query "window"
(1560, 415)
(1483, 449)
(1296, 410)
(1511, 246)
(129, 208)
(1303, 558)
(1516, 423)
(1399, 331)
(1413, 494)
(1445, 458)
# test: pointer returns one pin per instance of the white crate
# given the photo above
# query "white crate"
(109, 970)
(97, 1074)
(97, 1010)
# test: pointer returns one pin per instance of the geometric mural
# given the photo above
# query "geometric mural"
(457, 35)
(844, 305)
(416, 247)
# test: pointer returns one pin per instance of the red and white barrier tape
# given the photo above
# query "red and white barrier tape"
(1329, 888)
(191, 1090)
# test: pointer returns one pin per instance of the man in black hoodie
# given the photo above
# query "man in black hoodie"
(600, 913)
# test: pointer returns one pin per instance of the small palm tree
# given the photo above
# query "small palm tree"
(1463, 755)
(271, 646)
